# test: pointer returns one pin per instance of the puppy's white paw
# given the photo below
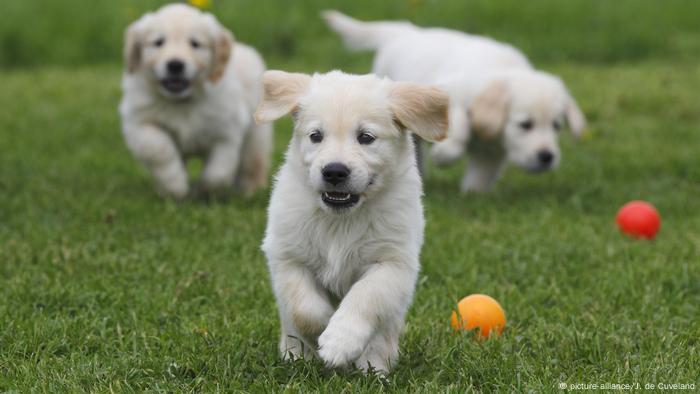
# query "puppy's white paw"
(292, 348)
(171, 179)
(473, 187)
(446, 152)
(340, 346)
(176, 189)
(216, 182)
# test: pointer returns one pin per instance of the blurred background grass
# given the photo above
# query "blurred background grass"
(77, 32)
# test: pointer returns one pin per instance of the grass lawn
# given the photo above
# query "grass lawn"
(103, 286)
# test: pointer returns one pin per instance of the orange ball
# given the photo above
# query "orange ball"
(639, 219)
(479, 311)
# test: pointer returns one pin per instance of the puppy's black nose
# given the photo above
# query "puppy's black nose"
(335, 173)
(545, 157)
(175, 67)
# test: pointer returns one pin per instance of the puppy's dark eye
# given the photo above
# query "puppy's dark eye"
(556, 125)
(195, 44)
(365, 138)
(526, 125)
(316, 136)
(159, 42)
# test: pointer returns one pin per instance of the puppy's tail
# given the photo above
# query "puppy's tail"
(360, 35)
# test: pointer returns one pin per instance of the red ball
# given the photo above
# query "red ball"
(639, 219)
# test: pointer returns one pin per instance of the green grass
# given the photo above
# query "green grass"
(70, 32)
(106, 287)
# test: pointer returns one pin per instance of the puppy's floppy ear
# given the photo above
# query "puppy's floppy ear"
(132, 45)
(222, 49)
(421, 109)
(489, 110)
(574, 117)
(281, 92)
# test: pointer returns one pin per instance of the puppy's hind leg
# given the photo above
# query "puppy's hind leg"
(482, 173)
(255, 159)
(157, 151)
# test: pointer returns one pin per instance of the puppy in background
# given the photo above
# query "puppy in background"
(189, 91)
(345, 222)
(501, 109)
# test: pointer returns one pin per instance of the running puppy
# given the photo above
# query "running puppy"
(190, 91)
(501, 109)
(345, 222)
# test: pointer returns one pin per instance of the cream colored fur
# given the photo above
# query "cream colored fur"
(344, 277)
(211, 118)
(493, 90)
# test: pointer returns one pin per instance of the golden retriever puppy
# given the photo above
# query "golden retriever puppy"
(501, 109)
(189, 90)
(345, 223)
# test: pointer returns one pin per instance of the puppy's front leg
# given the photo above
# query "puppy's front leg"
(222, 164)
(157, 151)
(482, 173)
(376, 304)
(303, 306)
(452, 148)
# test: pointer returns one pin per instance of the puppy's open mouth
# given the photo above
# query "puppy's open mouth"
(175, 85)
(340, 200)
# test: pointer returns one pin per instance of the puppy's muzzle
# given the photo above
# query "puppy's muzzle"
(175, 81)
(335, 173)
(545, 157)
(175, 67)
(545, 161)
(336, 176)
